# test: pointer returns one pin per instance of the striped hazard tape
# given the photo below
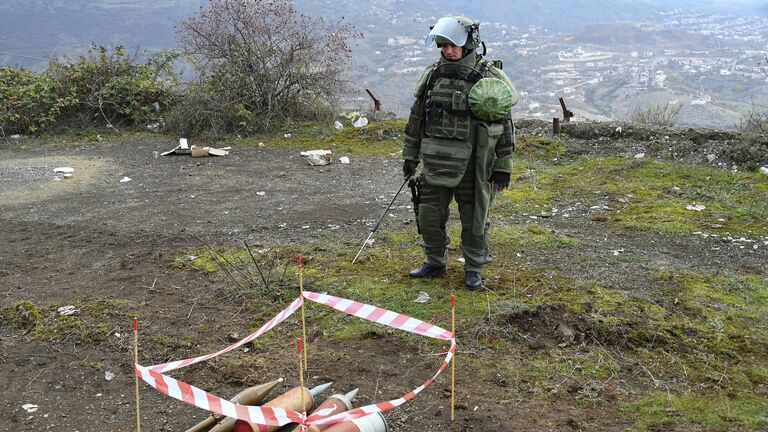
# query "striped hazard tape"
(156, 376)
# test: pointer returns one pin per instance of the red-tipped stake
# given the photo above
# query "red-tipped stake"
(303, 319)
(301, 378)
(453, 363)
(135, 362)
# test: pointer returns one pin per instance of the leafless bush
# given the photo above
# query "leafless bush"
(262, 63)
(755, 121)
(658, 115)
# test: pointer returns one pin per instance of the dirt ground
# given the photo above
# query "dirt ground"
(93, 239)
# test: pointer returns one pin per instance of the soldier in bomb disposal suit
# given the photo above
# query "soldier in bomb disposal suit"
(461, 127)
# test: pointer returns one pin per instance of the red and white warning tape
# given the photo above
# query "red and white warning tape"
(155, 375)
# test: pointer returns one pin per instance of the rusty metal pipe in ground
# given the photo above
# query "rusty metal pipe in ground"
(291, 400)
(338, 403)
(250, 396)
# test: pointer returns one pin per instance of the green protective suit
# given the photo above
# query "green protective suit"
(459, 152)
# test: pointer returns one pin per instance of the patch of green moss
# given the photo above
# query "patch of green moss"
(720, 410)
(379, 138)
(726, 312)
(88, 324)
(25, 315)
(539, 147)
(657, 193)
(525, 236)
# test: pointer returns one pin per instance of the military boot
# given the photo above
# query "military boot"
(426, 270)
(473, 280)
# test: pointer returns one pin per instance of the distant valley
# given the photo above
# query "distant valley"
(605, 58)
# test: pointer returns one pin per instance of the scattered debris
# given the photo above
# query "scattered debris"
(639, 155)
(344, 160)
(30, 408)
(67, 310)
(15, 136)
(337, 124)
(318, 157)
(64, 170)
(422, 298)
(711, 157)
(695, 207)
(182, 148)
(125, 180)
(316, 152)
(261, 193)
(360, 122)
(109, 376)
(261, 144)
(287, 135)
(317, 160)
(764, 170)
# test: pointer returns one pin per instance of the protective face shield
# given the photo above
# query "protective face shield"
(458, 30)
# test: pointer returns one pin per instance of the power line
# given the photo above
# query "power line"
(22, 56)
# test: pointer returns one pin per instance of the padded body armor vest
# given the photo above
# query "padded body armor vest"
(450, 129)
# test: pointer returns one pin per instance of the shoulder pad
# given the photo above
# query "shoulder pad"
(422, 82)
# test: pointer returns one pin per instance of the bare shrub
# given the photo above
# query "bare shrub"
(755, 121)
(658, 115)
(261, 64)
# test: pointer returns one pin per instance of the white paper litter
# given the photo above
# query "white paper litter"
(125, 180)
(261, 193)
(764, 170)
(696, 207)
(67, 310)
(344, 160)
(109, 376)
(64, 170)
(639, 155)
(316, 152)
(30, 408)
(360, 122)
(422, 298)
(337, 124)
(317, 160)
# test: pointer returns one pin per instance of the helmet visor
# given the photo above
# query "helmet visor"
(449, 28)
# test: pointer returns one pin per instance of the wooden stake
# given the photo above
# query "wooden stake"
(303, 319)
(135, 362)
(301, 377)
(453, 363)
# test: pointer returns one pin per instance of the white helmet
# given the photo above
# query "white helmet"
(458, 30)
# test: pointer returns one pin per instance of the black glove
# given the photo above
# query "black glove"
(500, 180)
(409, 168)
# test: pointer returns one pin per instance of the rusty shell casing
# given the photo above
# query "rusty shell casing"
(371, 423)
(338, 402)
(290, 400)
(250, 396)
